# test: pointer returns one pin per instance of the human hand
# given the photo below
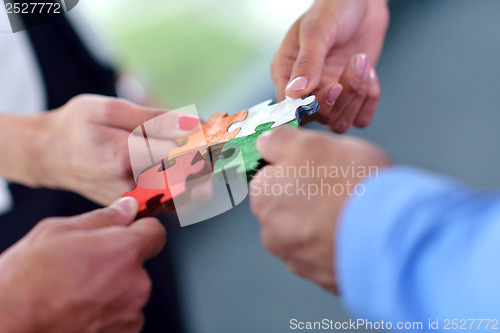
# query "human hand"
(80, 274)
(85, 148)
(330, 51)
(299, 196)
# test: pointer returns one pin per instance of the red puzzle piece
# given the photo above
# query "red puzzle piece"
(158, 186)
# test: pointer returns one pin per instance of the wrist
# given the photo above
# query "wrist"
(37, 145)
(44, 151)
(20, 146)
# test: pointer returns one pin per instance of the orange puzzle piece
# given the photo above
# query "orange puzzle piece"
(212, 133)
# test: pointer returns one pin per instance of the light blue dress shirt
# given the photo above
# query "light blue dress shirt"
(417, 246)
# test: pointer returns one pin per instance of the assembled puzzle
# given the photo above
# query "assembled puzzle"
(212, 149)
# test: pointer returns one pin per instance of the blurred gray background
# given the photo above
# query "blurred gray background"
(440, 78)
(440, 75)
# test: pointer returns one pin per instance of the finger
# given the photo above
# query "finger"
(153, 237)
(356, 81)
(315, 42)
(326, 97)
(171, 125)
(273, 145)
(349, 115)
(121, 213)
(365, 115)
(284, 59)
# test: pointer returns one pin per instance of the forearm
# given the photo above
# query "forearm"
(417, 246)
(21, 146)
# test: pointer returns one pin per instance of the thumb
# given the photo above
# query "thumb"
(121, 213)
(116, 112)
(308, 67)
(273, 145)
(122, 114)
(152, 235)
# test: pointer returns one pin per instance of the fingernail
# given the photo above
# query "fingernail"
(373, 74)
(187, 123)
(299, 83)
(127, 205)
(334, 93)
(361, 63)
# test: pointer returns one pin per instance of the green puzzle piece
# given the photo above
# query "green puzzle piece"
(250, 158)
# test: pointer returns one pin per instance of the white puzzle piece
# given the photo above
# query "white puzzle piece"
(279, 113)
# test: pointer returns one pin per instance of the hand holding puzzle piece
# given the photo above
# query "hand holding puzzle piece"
(212, 149)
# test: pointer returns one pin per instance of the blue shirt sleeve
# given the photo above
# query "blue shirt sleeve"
(416, 246)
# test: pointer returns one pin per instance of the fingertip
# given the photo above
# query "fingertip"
(187, 122)
(362, 123)
(127, 206)
(261, 143)
(333, 94)
(154, 225)
(298, 87)
(153, 235)
(339, 127)
(373, 75)
(298, 83)
(271, 143)
(361, 64)
(367, 113)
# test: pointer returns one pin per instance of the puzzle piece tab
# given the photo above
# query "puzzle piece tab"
(158, 185)
(279, 114)
(252, 160)
(211, 134)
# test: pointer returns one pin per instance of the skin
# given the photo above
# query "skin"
(298, 230)
(80, 274)
(325, 46)
(58, 149)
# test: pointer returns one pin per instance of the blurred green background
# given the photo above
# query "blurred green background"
(186, 50)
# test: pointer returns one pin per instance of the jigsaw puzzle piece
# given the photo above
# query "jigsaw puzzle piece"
(151, 186)
(279, 114)
(157, 186)
(251, 160)
(212, 133)
(216, 130)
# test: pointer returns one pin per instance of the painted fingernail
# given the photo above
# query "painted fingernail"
(361, 63)
(373, 74)
(299, 83)
(187, 122)
(334, 93)
(127, 205)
